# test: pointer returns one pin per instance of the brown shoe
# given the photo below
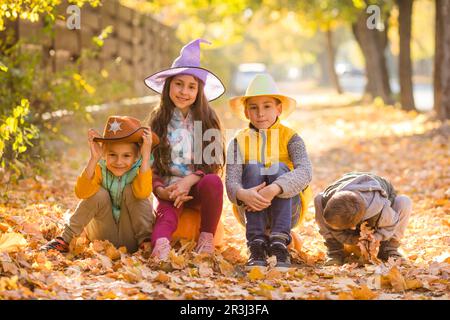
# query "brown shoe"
(389, 249)
(335, 258)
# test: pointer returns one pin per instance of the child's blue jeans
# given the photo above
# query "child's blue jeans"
(280, 216)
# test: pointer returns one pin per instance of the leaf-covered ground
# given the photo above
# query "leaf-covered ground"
(410, 149)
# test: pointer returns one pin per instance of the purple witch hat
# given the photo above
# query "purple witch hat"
(188, 62)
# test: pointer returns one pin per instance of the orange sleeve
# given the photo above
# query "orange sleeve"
(86, 187)
(142, 185)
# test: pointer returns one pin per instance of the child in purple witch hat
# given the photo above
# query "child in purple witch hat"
(185, 176)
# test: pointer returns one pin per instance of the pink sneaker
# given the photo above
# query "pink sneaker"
(162, 249)
(205, 243)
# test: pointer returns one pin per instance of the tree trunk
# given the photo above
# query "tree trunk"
(373, 44)
(331, 55)
(442, 60)
(405, 65)
(324, 79)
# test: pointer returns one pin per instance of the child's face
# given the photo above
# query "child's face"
(262, 111)
(183, 91)
(120, 157)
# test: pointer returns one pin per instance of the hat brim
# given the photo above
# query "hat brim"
(213, 89)
(237, 105)
(135, 136)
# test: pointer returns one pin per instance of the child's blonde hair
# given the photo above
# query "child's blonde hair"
(136, 146)
(344, 210)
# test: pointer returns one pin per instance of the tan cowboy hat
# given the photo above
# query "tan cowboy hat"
(262, 85)
(124, 129)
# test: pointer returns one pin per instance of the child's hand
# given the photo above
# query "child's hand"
(95, 147)
(146, 146)
(162, 193)
(181, 187)
(252, 199)
(181, 199)
(269, 192)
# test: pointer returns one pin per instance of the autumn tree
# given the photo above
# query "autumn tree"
(442, 60)
(405, 64)
(371, 35)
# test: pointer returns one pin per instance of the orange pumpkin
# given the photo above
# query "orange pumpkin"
(189, 227)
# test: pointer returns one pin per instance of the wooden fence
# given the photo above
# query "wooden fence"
(138, 46)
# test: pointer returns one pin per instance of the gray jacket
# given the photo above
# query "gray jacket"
(379, 213)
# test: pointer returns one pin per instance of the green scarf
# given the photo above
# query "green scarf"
(115, 185)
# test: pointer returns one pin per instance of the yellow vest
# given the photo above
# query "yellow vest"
(268, 147)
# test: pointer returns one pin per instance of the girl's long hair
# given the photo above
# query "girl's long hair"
(201, 111)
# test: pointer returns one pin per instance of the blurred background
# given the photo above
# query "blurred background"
(64, 64)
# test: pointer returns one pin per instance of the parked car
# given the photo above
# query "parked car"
(244, 73)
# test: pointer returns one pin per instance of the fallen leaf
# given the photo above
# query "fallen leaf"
(345, 296)
(274, 274)
(256, 274)
(112, 252)
(11, 242)
(226, 268)
(397, 281)
(177, 261)
(413, 284)
(162, 277)
(204, 270)
(4, 227)
(232, 255)
(363, 293)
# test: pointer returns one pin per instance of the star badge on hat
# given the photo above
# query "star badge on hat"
(115, 126)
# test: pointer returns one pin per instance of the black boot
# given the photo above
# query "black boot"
(258, 254)
(278, 248)
(389, 248)
(335, 253)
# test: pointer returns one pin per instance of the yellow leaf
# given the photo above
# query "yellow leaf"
(256, 274)
(345, 296)
(266, 286)
(112, 253)
(11, 242)
(226, 268)
(8, 283)
(107, 295)
(265, 290)
(123, 249)
(397, 281)
(413, 284)
(162, 277)
(177, 262)
(363, 293)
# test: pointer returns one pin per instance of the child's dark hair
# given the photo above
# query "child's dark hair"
(201, 111)
(344, 210)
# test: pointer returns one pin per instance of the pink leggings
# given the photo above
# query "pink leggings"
(207, 196)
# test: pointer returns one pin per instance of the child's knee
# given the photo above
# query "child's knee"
(403, 204)
(253, 169)
(101, 197)
(211, 182)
